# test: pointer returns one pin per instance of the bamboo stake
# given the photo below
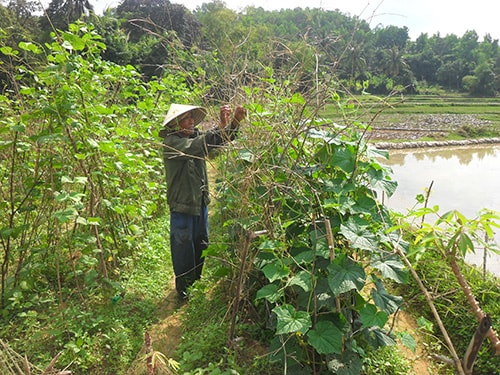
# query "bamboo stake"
(475, 344)
(476, 309)
(248, 239)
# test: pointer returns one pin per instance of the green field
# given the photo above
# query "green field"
(420, 111)
(420, 104)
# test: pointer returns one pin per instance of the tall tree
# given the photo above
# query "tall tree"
(24, 10)
(61, 13)
(468, 52)
(422, 61)
(390, 45)
(14, 28)
(158, 17)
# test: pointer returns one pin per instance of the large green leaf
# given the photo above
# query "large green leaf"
(322, 134)
(345, 275)
(381, 180)
(320, 244)
(377, 338)
(270, 245)
(344, 204)
(465, 244)
(408, 341)
(65, 215)
(370, 316)
(359, 235)
(326, 338)
(384, 300)
(349, 363)
(246, 155)
(290, 320)
(302, 279)
(344, 159)
(274, 271)
(391, 267)
(302, 255)
(270, 292)
(14, 232)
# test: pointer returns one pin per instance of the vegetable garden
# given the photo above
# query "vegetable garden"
(308, 257)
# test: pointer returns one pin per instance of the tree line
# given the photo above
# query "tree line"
(82, 184)
(230, 48)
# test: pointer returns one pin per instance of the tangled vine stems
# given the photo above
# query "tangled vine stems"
(289, 177)
(304, 181)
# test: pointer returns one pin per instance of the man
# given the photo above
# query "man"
(184, 151)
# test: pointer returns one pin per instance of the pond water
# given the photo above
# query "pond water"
(466, 179)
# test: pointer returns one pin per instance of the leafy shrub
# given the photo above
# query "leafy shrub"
(80, 179)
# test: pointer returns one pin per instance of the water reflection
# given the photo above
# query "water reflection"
(464, 155)
(466, 179)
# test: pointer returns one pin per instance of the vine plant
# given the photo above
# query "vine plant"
(79, 175)
(325, 250)
(319, 274)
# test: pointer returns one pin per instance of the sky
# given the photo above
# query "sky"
(420, 16)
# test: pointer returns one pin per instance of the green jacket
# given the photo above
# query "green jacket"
(186, 170)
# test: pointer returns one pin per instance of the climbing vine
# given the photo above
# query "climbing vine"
(306, 191)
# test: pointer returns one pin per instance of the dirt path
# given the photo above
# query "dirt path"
(165, 337)
(167, 333)
(419, 360)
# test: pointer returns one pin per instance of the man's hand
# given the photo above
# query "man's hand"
(225, 116)
(240, 113)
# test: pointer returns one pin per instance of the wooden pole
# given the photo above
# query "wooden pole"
(475, 344)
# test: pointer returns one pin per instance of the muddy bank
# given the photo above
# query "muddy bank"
(407, 133)
(418, 144)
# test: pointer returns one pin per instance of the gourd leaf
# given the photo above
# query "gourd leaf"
(326, 338)
(290, 320)
(408, 341)
(387, 302)
(371, 317)
(391, 267)
(275, 271)
(270, 293)
(359, 235)
(345, 275)
(302, 279)
(344, 159)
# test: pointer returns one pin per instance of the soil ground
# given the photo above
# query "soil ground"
(419, 360)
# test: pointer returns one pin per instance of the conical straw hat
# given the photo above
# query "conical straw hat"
(177, 110)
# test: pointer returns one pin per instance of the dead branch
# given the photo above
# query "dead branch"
(250, 236)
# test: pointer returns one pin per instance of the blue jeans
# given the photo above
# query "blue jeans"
(188, 239)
